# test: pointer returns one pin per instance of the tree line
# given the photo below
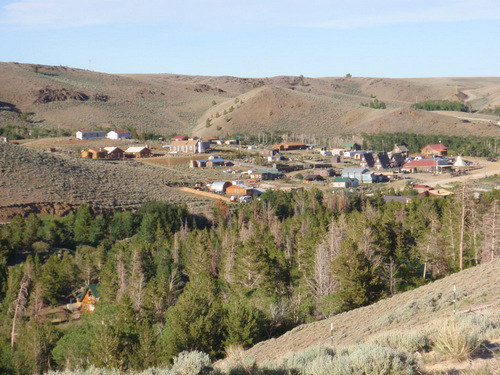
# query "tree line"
(441, 105)
(468, 146)
(171, 281)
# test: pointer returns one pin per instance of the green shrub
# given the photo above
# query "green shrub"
(192, 363)
(411, 342)
(298, 362)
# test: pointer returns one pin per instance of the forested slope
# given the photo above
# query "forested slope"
(171, 281)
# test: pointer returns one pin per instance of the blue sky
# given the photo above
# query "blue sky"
(258, 38)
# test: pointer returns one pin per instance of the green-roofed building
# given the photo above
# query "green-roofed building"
(353, 146)
(87, 299)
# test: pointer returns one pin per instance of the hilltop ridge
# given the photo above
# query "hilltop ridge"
(73, 99)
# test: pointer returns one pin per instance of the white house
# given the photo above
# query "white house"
(119, 134)
(363, 175)
(96, 134)
(190, 147)
(345, 182)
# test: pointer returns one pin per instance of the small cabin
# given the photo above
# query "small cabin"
(138, 152)
(94, 153)
(87, 299)
(114, 152)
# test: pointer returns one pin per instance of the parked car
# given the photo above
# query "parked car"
(246, 199)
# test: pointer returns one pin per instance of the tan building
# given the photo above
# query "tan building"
(94, 153)
(288, 146)
(114, 152)
(138, 152)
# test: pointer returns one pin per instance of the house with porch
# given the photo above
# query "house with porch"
(434, 165)
(86, 300)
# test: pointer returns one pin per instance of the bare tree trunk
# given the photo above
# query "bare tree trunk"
(462, 230)
(19, 307)
(493, 230)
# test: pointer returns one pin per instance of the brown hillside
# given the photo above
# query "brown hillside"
(29, 176)
(74, 99)
(477, 293)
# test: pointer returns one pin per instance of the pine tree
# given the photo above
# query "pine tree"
(241, 323)
(358, 279)
(194, 323)
(51, 280)
(83, 223)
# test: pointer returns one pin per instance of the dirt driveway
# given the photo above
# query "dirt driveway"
(485, 169)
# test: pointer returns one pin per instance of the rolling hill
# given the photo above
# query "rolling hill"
(422, 309)
(73, 99)
(36, 181)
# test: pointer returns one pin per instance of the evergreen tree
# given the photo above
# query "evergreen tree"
(83, 223)
(359, 282)
(241, 322)
(194, 323)
(32, 223)
(51, 280)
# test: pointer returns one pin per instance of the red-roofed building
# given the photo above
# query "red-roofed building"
(435, 150)
(180, 138)
(435, 165)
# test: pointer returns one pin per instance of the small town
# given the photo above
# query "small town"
(290, 165)
(249, 188)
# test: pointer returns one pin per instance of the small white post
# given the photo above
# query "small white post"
(454, 298)
(331, 334)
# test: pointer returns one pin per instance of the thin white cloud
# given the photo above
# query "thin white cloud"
(421, 12)
(57, 14)
(227, 15)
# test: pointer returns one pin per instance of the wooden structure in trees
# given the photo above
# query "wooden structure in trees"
(87, 299)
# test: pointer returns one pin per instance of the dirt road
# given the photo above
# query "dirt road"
(486, 169)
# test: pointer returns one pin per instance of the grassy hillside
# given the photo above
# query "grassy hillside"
(35, 176)
(477, 293)
(72, 99)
